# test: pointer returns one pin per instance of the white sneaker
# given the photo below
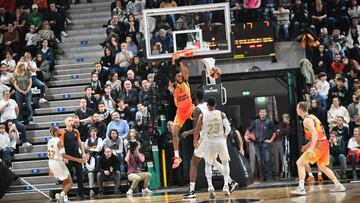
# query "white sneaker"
(42, 100)
(226, 190)
(66, 199)
(338, 188)
(57, 197)
(298, 191)
(211, 191)
(129, 192)
(64, 34)
(146, 191)
(26, 144)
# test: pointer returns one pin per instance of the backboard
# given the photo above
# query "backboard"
(203, 27)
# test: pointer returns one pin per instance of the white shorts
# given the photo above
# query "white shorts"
(213, 148)
(59, 169)
(199, 152)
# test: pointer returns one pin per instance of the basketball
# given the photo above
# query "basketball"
(215, 72)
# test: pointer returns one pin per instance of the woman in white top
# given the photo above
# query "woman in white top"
(337, 110)
(354, 9)
(353, 155)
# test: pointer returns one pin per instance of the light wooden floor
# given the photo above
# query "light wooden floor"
(316, 194)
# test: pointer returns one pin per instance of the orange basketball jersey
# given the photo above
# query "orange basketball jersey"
(318, 126)
(182, 95)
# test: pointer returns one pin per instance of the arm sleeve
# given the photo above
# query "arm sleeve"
(227, 126)
(173, 72)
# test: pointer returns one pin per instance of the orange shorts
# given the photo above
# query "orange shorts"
(182, 115)
(321, 153)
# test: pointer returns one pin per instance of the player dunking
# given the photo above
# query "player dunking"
(180, 88)
(212, 124)
(317, 150)
(56, 154)
(199, 151)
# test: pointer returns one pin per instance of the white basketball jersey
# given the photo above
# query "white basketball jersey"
(212, 128)
(53, 150)
(203, 107)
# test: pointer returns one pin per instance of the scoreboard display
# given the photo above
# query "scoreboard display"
(253, 39)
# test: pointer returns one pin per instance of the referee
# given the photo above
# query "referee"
(72, 143)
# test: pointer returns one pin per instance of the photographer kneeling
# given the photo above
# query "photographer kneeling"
(135, 160)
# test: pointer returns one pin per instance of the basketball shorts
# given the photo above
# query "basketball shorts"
(59, 169)
(320, 155)
(182, 115)
(199, 152)
(215, 148)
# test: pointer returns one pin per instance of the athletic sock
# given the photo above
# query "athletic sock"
(62, 193)
(319, 173)
(176, 152)
(301, 184)
(336, 181)
(192, 186)
(311, 174)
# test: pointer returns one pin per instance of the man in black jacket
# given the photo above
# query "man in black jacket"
(108, 167)
(337, 152)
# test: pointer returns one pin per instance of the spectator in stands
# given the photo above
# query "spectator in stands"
(337, 153)
(138, 67)
(282, 16)
(337, 15)
(73, 146)
(119, 10)
(354, 10)
(318, 15)
(115, 84)
(56, 18)
(48, 54)
(151, 80)
(108, 60)
(170, 4)
(131, 137)
(9, 61)
(22, 84)
(96, 86)
(165, 40)
(352, 108)
(142, 116)
(335, 111)
(89, 170)
(322, 84)
(31, 41)
(35, 18)
(6, 18)
(135, 7)
(6, 76)
(264, 130)
(342, 132)
(108, 167)
(325, 38)
(146, 94)
(100, 127)
(102, 72)
(123, 111)
(5, 148)
(131, 46)
(13, 133)
(84, 113)
(113, 46)
(337, 37)
(108, 100)
(11, 39)
(44, 74)
(42, 4)
(81, 127)
(3, 87)
(121, 126)
(298, 17)
(46, 34)
(131, 27)
(353, 37)
(163, 23)
(315, 109)
(130, 97)
(340, 91)
(115, 29)
(103, 113)
(337, 66)
(353, 155)
(134, 159)
(94, 143)
(92, 101)
(134, 80)
(9, 112)
(123, 59)
(321, 62)
(31, 66)
(116, 144)
(314, 94)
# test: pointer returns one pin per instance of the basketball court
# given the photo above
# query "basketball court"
(269, 192)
